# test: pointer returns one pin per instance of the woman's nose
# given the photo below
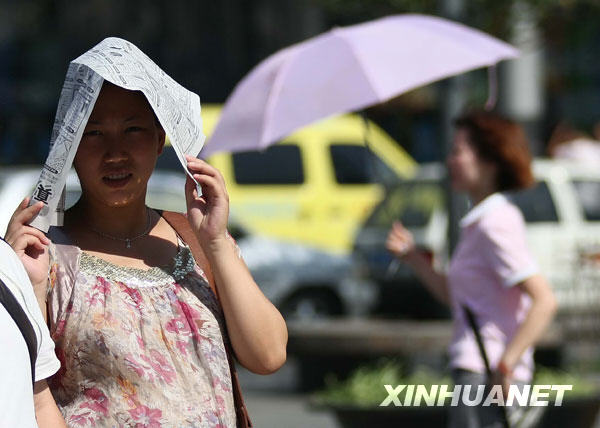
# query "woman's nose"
(115, 151)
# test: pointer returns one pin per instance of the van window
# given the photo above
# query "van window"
(536, 204)
(412, 203)
(587, 193)
(280, 164)
(355, 164)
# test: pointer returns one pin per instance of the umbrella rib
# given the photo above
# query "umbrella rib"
(270, 106)
(339, 33)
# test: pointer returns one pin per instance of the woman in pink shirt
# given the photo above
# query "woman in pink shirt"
(492, 271)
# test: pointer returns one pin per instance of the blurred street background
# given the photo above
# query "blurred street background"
(311, 214)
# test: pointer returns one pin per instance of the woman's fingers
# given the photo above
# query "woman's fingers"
(198, 166)
(25, 202)
(398, 234)
(399, 240)
(399, 227)
(23, 242)
(17, 227)
(37, 233)
(190, 187)
(24, 214)
(394, 243)
(211, 186)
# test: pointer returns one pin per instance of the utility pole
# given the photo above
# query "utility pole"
(522, 80)
(453, 102)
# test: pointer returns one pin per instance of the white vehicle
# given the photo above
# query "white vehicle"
(302, 281)
(562, 213)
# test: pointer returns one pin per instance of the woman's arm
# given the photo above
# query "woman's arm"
(537, 320)
(401, 243)
(256, 328)
(46, 411)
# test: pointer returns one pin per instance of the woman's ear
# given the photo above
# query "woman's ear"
(161, 138)
(490, 171)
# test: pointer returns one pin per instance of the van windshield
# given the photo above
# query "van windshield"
(412, 203)
(357, 164)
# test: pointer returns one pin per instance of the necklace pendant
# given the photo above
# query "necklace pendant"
(128, 243)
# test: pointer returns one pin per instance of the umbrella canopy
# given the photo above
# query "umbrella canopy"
(347, 69)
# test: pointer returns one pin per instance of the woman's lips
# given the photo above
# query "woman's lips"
(117, 180)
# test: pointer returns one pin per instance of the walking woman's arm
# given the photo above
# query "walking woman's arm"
(538, 318)
(400, 242)
(256, 328)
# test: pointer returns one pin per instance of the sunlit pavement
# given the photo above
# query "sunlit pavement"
(273, 410)
(273, 401)
(285, 410)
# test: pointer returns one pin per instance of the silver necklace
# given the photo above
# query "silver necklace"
(128, 241)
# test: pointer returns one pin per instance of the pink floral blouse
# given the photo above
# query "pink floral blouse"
(138, 348)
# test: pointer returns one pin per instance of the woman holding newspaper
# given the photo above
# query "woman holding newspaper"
(143, 335)
(492, 274)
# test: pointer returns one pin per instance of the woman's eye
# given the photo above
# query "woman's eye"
(92, 133)
(134, 129)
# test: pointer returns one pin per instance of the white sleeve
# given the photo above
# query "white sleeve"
(505, 246)
(15, 277)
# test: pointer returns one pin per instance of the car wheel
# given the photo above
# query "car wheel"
(311, 304)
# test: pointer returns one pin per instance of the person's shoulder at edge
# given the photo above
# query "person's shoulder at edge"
(10, 265)
(16, 279)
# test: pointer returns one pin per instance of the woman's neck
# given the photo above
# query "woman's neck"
(479, 194)
(120, 221)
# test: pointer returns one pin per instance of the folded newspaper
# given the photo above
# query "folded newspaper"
(121, 63)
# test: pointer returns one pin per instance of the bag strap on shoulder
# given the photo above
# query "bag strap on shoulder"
(14, 309)
(181, 225)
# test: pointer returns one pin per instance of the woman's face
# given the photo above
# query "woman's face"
(467, 171)
(119, 148)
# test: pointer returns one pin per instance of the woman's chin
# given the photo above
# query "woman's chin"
(119, 202)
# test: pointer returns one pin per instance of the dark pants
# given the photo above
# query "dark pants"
(462, 416)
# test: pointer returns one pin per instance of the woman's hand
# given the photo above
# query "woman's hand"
(400, 241)
(30, 244)
(502, 379)
(209, 213)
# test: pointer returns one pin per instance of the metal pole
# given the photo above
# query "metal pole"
(453, 101)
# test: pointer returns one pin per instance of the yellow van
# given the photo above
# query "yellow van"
(317, 186)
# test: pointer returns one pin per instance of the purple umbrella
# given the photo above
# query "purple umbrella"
(347, 69)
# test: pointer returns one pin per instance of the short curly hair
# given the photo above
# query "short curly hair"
(502, 142)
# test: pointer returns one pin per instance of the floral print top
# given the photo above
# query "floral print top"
(138, 348)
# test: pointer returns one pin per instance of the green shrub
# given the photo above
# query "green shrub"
(365, 387)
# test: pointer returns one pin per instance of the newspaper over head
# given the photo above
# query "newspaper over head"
(123, 64)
